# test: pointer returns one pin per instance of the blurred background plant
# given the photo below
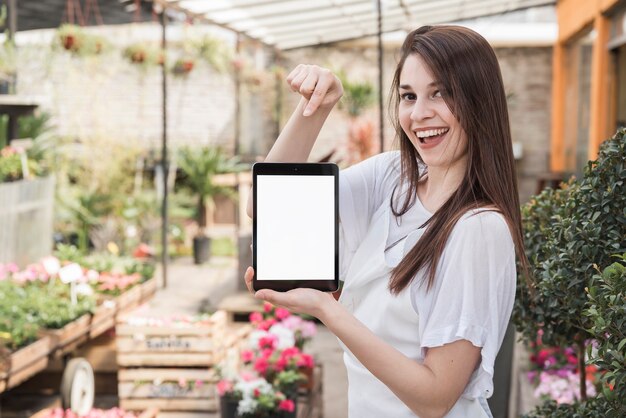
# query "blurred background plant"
(358, 97)
(199, 167)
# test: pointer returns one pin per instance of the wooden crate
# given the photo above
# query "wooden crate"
(240, 305)
(129, 300)
(148, 413)
(27, 362)
(148, 289)
(168, 389)
(103, 318)
(70, 336)
(171, 346)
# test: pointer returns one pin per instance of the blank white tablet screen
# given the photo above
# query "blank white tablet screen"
(295, 227)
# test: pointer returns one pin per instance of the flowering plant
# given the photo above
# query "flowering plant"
(555, 372)
(94, 413)
(268, 361)
(255, 397)
(302, 329)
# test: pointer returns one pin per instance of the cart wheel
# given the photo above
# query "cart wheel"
(77, 386)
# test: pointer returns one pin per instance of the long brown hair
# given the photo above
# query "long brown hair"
(467, 68)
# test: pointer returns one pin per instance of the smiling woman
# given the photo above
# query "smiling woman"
(428, 234)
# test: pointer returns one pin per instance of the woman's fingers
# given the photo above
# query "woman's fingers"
(316, 84)
(248, 276)
(319, 92)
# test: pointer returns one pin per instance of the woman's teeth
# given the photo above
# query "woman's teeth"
(430, 134)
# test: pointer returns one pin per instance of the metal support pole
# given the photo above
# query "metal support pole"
(237, 95)
(12, 30)
(164, 157)
(381, 119)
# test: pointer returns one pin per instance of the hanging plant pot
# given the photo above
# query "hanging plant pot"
(73, 38)
(201, 249)
(183, 67)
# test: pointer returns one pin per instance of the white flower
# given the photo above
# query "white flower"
(52, 265)
(246, 405)
(285, 336)
(84, 289)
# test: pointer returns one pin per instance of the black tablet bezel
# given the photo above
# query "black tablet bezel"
(309, 169)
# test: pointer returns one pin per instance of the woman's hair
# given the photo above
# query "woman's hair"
(467, 68)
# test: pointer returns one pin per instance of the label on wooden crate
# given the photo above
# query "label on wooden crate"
(189, 341)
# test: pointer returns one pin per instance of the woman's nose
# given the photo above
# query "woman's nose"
(422, 109)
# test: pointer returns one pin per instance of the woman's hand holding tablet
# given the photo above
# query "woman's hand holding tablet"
(295, 226)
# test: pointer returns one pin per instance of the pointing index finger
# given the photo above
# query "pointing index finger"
(317, 97)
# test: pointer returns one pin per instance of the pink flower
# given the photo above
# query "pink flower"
(267, 324)
(309, 329)
(247, 376)
(267, 307)
(286, 405)
(256, 317)
(269, 341)
(290, 352)
(306, 360)
(247, 356)
(224, 386)
(282, 313)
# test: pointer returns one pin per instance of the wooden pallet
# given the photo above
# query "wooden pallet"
(171, 346)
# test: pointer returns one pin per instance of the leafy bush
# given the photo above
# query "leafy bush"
(569, 233)
(593, 408)
(607, 311)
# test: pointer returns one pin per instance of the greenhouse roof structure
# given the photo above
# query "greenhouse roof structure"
(289, 24)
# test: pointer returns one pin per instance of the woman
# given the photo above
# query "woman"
(428, 234)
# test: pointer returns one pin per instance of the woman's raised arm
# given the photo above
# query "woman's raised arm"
(320, 90)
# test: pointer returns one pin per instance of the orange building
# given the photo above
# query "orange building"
(589, 80)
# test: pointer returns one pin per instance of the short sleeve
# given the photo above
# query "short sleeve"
(473, 294)
(363, 187)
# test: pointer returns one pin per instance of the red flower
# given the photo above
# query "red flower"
(286, 405)
(261, 365)
(267, 307)
(256, 393)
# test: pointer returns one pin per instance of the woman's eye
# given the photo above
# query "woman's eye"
(407, 96)
(437, 93)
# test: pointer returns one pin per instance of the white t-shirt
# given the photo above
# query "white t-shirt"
(474, 289)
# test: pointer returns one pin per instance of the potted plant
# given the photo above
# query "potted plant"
(200, 165)
(253, 397)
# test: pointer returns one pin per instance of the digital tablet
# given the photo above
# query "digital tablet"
(295, 241)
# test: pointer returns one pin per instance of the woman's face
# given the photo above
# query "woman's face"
(426, 118)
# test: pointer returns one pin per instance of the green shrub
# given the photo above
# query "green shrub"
(569, 233)
(593, 408)
(607, 311)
